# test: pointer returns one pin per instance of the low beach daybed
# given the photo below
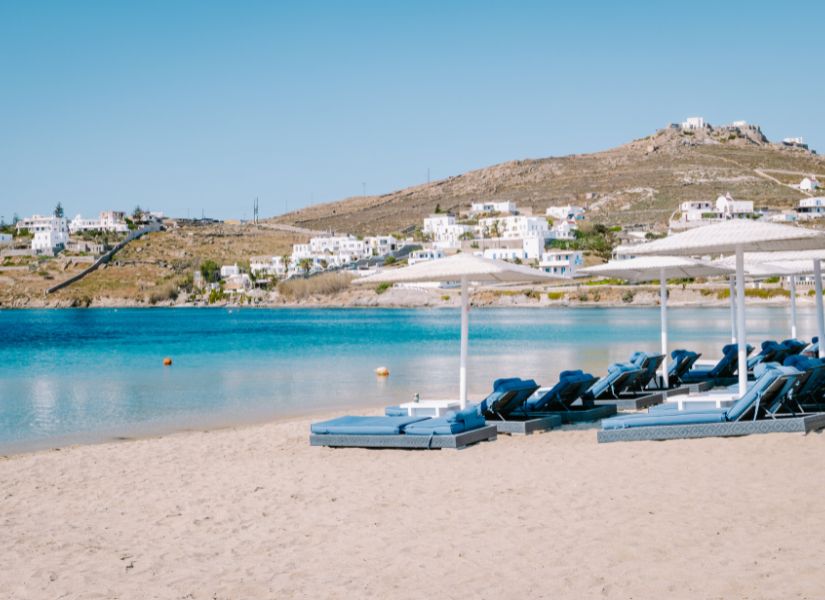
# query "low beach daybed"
(454, 430)
(764, 408)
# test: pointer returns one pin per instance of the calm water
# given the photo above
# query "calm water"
(89, 374)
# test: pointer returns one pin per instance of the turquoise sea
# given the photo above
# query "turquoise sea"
(79, 375)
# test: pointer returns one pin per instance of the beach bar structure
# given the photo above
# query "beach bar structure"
(466, 269)
(648, 268)
(736, 237)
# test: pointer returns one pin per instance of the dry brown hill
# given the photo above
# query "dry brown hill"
(640, 182)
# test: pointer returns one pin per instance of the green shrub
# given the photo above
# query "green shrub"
(772, 280)
(532, 294)
(382, 287)
(605, 281)
(446, 297)
(389, 260)
(555, 295)
(628, 296)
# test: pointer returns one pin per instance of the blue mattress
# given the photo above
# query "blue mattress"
(354, 425)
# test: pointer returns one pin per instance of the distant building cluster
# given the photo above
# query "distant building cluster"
(53, 233)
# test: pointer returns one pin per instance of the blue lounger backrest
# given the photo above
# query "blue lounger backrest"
(507, 395)
(570, 387)
(682, 362)
(811, 382)
(793, 347)
(728, 366)
(769, 352)
(619, 377)
(649, 363)
(770, 381)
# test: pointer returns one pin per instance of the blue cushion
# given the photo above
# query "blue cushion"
(354, 425)
(395, 411)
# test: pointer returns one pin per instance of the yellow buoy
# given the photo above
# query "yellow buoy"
(167, 362)
(382, 372)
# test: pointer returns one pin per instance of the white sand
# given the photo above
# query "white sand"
(255, 512)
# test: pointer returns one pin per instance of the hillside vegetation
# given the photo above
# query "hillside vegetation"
(640, 182)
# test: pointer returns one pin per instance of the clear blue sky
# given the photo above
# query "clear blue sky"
(183, 106)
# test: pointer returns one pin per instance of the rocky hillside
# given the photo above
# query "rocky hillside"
(640, 182)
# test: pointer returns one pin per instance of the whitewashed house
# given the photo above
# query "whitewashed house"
(696, 210)
(501, 207)
(109, 220)
(563, 263)
(381, 245)
(268, 265)
(444, 232)
(418, 256)
(563, 230)
(51, 234)
(511, 254)
(513, 227)
(728, 208)
(693, 123)
(230, 271)
(811, 208)
(567, 213)
(808, 184)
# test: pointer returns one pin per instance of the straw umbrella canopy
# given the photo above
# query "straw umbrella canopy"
(465, 268)
(647, 268)
(737, 237)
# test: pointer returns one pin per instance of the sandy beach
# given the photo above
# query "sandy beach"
(255, 512)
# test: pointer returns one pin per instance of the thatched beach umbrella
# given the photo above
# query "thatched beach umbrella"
(647, 268)
(463, 268)
(737, 237)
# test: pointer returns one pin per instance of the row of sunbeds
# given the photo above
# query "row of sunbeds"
(522, 406)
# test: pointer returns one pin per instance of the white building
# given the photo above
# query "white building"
(513, 227)
(503, 207)
(811, 208)
(808, 184)
(444, 232)
(568, 212)
(268, 265)
(51, 233)
(564, 230)
(693, 123)
(109, 220)
(696, 210)
(563, 263)
(230, 271)
(5, 239)
(418, 256)
(511, 254)
(728, 208)
(381, 245)
(793, 141)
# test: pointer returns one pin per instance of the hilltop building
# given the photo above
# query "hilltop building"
(501, 207)
(699, 212)
(809, 184)
(568, 212)
(693, 123)
(109, 220)
(51, 234)
(444, 232)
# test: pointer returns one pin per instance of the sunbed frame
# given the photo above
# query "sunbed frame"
(654, 397)
(779, 424)
(404, 441)
(514, 425)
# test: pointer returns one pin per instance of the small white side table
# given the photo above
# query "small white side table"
(430, 408)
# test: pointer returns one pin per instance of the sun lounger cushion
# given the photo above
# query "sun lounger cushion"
(355, 425)
(507, 395)
(619, 377)
(452, 423)
(395, 411)
(571, 385)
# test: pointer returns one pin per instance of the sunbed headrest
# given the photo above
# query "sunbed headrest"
(771, 367)
(513, 383)
(471, 416)
(570, 374)
(770, 345)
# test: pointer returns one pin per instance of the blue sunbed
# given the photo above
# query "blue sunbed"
(770, 351)
(765, 397)
(455, 430)
(649, 364)
(620, 376)
(683, 361)
(725, 370)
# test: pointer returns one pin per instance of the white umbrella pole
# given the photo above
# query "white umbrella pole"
(732, 310)
(663, 310)
(465, 308)
(741, 335)
(793, 307)
(820, 316)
